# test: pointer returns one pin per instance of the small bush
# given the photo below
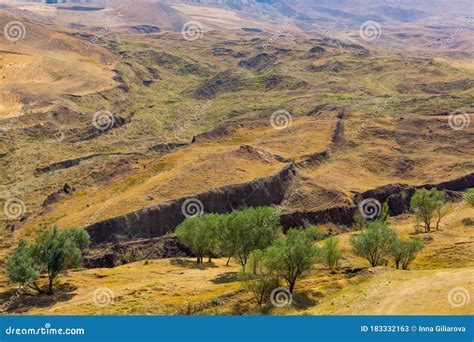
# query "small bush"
(469, 197)
(426, 204)
(330, 253)
(292, 256)
(261, 280)
(405, 251)
(374, 243)
(53, 252)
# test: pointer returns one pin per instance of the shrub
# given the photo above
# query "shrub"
(469, 197)
(405, 251)
(425, 203)
(200, 234)
(330, 253)
(374, 243)
(262, 280)
(52, 252)
(251, 229)
(292, 256)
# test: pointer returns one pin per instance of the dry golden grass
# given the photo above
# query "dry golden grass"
(46, 65)
(180, 286)
(194, 169)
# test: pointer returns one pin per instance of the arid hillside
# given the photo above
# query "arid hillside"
(115, 129)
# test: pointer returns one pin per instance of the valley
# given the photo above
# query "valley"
(114, 120)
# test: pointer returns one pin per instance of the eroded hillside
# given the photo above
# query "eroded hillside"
(114, 134)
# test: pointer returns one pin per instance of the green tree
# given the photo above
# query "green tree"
(469, 197)
(330, 253)
(291, 257)
(21, 268)
(252, 229)
(262, 280)
(405, 251)
(200, 234)
(426, 204)
(53, 252)
(374, 243)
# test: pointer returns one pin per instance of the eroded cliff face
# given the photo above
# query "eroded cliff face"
(398, 196)
(159, 220)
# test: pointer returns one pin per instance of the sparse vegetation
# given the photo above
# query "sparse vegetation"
(374, 243)
(251, 229)
(330, 253)
(394, 137)
(53, 252)
(404, 252)
(427, 204)
(260, 279)
(291, 257)
(235, 235)
(199, 233)
(469, 197)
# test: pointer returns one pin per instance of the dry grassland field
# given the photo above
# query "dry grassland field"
(285, 157)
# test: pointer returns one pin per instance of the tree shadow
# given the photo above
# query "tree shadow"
(306, 299)
(16, 301)
(226, 277)
(192, 264)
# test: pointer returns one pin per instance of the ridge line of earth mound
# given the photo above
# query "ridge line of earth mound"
(336, 139)
(269, 191)
(397, 196)
(163, 218)
(113, 254)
